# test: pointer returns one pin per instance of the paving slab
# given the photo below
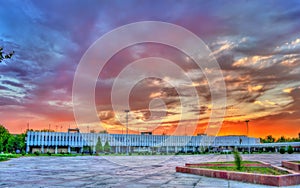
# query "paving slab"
(119, 171)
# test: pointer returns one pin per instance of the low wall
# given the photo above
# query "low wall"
(291, 165)
(272, 180)
(258, 164)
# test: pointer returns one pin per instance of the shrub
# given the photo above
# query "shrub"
(290, 150)
(282, 150)
(4, 158)
(23, 153)
(48, 153)
(37, 153)
(237, 160)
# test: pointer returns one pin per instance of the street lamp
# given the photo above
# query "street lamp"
(126, 111)
(247, 121)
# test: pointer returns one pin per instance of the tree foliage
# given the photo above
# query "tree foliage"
(11, 143)
(282, 150)
(237, 160)
(99, 147)
(106, 147)
(103, 132)
(290, 150)
(4, 138)
(271, 139)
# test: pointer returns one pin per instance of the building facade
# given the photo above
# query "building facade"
(57, 142)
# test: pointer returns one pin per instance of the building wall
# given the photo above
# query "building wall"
(56, 141)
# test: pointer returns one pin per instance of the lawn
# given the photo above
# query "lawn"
(257, 170)
(5, 157)
(232, 162)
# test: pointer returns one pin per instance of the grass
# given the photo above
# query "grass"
(4, 159)
(296, 161)
(7, 156)
(256, 170)
(232, 162)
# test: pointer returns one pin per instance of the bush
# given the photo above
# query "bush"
(237, 160)
(4, 158)
(23, 153)
(282, 150)
(37, 153)
(290, 150)
(48, 153)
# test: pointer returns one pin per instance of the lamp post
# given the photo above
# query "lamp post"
(247, 121)
(126, 111)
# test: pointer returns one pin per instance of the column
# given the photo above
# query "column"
(94, 149)
(28, 142)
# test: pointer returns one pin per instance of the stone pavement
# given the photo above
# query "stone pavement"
(109, 171)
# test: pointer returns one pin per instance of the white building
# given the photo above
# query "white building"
(56, 142)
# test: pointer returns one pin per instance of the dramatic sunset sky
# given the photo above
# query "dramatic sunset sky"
(256, 43)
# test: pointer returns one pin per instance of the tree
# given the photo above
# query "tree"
(10, 146)
(106, 147)
(282, 139)
(237, 160)
(20, 142)
(4, 137)
(268, 139)
(4, 56)
(290, 150)
(103, 132)
(92, 131)
(99, 147)
(282, 150)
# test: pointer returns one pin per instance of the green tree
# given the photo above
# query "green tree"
(106, 147)
(282, 150)
(99, 147)
(4, 55)
(237, 159)
(268, 139)
(281, 139)
(290, 150)
(4, 137)
(20, 142)
(103, 132)
(10, 146)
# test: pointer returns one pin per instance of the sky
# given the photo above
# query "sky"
(256, 44)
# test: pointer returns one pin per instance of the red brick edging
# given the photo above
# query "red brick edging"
(291, 165)
(273, 180)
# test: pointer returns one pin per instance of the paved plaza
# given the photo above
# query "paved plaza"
(119, 171)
